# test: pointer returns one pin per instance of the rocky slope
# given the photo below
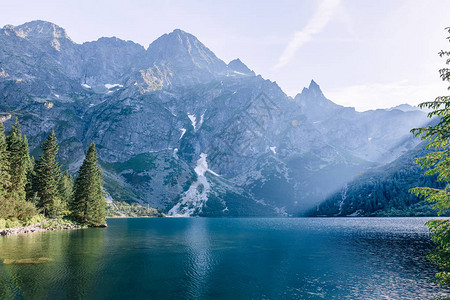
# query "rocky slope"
(181, 130)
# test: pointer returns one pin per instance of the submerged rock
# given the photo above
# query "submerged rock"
(38, 260)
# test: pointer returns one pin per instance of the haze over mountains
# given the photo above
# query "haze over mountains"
(183, 131)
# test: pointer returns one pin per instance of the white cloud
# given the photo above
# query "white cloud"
(315, 25)
(384, 95)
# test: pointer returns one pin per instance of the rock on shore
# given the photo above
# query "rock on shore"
(55, 224)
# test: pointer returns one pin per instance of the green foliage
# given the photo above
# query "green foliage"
(383, 191)
(5, 179)
(88, 206)
(65, 187)
(48, 174)
(31, 195)
(25, 185)
(14, 165)
(61, 223)
(438, 163)
(138, 163)
(19, 161)
(440, 234)
(14, 222)
(124, 209)
(10, 223)
(438, 138)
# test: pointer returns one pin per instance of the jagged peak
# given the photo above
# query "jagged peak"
(238, 66)
(8, 30)
(177, 36)
(181, 32)
(179, 46)
(312, 90)
(39, 28)
(313, 94)
(8, 27)
(237, 61)
(313, 85)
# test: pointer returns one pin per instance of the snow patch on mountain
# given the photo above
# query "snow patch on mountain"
(201, 120)
(193, 200)
(202, 166)
(193, 119)
(240, 73)
(183, 131)
(111, 86)
(273, 149)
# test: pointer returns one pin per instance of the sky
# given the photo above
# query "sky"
(363, 53)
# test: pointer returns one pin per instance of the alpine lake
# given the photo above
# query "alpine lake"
(223, 258)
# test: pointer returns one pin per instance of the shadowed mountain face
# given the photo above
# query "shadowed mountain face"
(383, 191)
(181, 130)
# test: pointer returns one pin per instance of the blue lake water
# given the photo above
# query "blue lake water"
(203, 258)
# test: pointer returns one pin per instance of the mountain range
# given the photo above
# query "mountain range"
(180, 130)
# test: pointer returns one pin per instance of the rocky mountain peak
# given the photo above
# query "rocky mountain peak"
(314, 104)
(313, 90)
(8, 29)
(239, 67)
(43, 33)
(41, 29)
(182, 50)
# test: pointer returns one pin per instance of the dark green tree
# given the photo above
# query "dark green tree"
(47, 177)
(89, 204)
(31, 194)
(438, 162)
(5, 179)
(19, 161)
(65, 187)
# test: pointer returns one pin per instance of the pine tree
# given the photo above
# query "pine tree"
(31, 195)
(47, 178)
(19, 160)
(89, 204)
(5, 179)
(65, 187)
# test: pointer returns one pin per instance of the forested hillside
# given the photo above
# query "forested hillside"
(383, 191)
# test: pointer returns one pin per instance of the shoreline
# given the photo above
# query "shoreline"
(38, 228)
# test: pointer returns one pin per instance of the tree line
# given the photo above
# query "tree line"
(29, 187)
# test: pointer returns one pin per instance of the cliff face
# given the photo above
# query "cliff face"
(178, 128)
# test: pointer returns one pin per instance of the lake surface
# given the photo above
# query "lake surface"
(201, 258)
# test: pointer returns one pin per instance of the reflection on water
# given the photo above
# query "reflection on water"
(199, 260)
(196, 258)
(50, 265)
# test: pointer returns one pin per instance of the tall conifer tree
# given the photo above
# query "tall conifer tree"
(5, 182)
(89, 202)
(65, 187)
(47, 178)
(19, 160)
(31, 195)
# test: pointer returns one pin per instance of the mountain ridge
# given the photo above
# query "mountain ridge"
(158, 114)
